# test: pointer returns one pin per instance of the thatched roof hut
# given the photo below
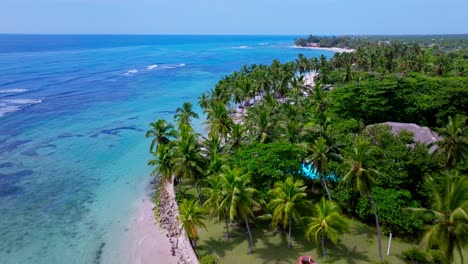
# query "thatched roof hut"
(421, 134)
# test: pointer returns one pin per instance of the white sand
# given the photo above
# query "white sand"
(330, 49)
(147, 242)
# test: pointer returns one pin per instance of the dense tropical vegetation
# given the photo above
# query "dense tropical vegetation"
(266, 122)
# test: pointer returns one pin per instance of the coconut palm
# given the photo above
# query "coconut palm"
(163, 162)
(187, 160)
(204, 101)
(320, 155)
(327, 222)
(191, 215)
(260, 123)
(184, 116)
(161, 132)
(218, 120)
(302, 63)
(236, 138)
(288, 202)
(449, 230)
(213, 203)
(454, 145)
(238, 200)
(359, 161)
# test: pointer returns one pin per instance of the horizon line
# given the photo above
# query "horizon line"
(195, 34)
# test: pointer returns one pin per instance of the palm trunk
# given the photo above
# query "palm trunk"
(377, 225)
(324, 180)
(194, 244)
(326, 188)
(226, 236)
(289, 235)
(323, 243)
(250, 236)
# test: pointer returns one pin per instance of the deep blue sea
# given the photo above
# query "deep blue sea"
(73, 114)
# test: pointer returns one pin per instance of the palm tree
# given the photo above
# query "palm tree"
(360, 174)
(238, 200)
(260, 123)
(213, 204)
(319, 158)
(191, 215)
(449, 230)
(218, 120)
(454, 145)
(204, 101)
(161, 132)
(328, 222)
(183, 117)
(187, 161)
(288, 202)
(163, 162)
(302, 63)
(236, 137)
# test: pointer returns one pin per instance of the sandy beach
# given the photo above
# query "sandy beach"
(148, 243)
(329, 49)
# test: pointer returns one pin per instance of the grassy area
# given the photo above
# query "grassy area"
(359, 246)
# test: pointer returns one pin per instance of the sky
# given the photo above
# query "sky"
(234, 17)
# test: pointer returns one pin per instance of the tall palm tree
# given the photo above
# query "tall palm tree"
(302, 63)
(236, 138)
(184, 116)
(187, 160)
(288, 202)
(218, 120)
(260, 123)
(191, 215)
(327, 222)
(359, 161)
(204, 101)
(238, 200)
(319, 158)
(163, 162)
(213, 203)
(454, 145)
(161, 132)
(449, 230)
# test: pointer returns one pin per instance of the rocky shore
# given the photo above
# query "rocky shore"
(168, 219)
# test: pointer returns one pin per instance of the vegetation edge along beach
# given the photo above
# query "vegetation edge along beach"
(306, 157)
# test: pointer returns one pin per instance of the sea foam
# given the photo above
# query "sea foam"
(130, 72)
(14, 105)
(152, 67)
(13, 91)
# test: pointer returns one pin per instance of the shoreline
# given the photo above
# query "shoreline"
(147, 241)
(334, 49)
(168, 221)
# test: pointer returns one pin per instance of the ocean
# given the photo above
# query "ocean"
(73, 113)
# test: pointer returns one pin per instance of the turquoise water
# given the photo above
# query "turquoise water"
(311, 173)
(73, 113)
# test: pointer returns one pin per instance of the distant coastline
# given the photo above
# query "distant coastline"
(335, 49)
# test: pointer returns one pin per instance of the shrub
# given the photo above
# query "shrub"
(209, 259)
(390, 205)
(416, 256)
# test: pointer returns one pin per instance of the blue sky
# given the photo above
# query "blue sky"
(285, 17)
